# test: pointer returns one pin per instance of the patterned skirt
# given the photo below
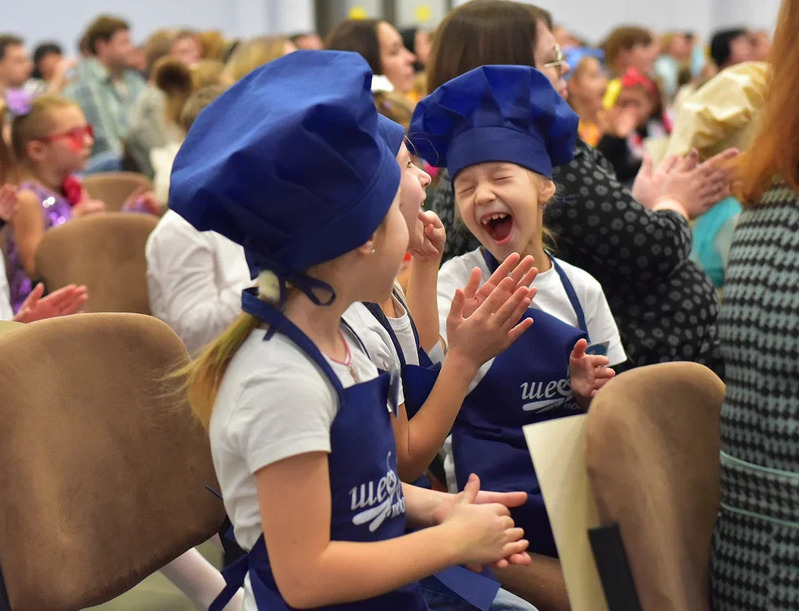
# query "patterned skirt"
(755, 559)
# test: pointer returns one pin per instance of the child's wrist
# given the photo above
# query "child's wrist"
(462, 362)
(427, 261)
(450, 542)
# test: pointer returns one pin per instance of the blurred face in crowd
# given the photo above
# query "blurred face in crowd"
(741, 50)
(549, 59)
(66, 144)
(395, 60)
(48, 65)
(116, 53)
(423, 42)
(137, 59)
(187, 49)
(641, 57)
(761, 45)
(638, 101)
(680, 47)
(15, 67)
(588, 84)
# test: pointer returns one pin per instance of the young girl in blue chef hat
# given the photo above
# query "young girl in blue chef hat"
(428, 396)
(499, 130)
(289, 164)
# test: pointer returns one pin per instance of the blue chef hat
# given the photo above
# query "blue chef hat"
(393, 134)
(495, 113)
(290, 163)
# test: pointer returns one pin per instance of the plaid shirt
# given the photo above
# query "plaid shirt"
(106, 104)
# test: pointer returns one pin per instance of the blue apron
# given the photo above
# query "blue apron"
(527, 383)
(417, 380)
(366, 494)
(479, 590)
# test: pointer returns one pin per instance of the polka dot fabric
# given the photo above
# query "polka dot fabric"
(665, 306)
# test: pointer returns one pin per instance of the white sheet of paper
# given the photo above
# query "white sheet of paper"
(558, 451)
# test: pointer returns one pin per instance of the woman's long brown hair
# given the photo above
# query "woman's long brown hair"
(775, 149)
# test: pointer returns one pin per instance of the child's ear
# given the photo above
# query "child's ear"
(34, 150)
(546, 190)
(368, 247)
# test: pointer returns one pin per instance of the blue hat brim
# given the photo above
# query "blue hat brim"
(487, 144)
(393, 133)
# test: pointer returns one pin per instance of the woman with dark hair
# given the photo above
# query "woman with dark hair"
(755, 560)
(380, 44)
(637, 244)
(46, 58)
(419, 42)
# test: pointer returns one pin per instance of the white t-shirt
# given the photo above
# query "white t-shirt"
(550, 298)
(379, 347)
(194, 279)
(273, 403)
(6, 312)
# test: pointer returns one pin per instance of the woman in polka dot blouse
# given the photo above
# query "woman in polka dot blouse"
(637, 244)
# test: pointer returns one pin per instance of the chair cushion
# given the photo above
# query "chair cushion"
(104, 468)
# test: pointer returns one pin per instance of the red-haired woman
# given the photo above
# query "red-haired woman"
(756, 546)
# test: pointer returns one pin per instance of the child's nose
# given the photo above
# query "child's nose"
(483, 194)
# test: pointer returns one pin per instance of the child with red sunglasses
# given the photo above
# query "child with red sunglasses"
(50, 142)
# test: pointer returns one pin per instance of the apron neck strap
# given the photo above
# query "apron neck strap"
(278, 322)
(493, 264)
(376, 311)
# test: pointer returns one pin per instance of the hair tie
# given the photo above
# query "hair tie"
(19, 102)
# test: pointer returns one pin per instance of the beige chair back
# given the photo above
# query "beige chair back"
(106, 253)
(104, 468)
(9, 325)
(652, 453)
(113, 188)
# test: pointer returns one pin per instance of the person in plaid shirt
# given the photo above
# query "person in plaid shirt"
(105, 89)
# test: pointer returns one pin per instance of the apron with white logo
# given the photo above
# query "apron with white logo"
(476, 590)
(527, 383)
(367, 503)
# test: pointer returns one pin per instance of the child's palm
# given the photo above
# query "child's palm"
(588, 373)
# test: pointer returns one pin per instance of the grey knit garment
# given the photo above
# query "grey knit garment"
(756, 543)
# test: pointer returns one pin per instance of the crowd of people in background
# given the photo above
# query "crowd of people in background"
(643, 206)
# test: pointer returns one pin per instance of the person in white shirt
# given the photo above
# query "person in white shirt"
(194, 279)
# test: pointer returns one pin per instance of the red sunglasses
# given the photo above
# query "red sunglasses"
(75, 136)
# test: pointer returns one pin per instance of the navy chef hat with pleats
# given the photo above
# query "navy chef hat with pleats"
(393, 134)
(290, 163)
(495, 113)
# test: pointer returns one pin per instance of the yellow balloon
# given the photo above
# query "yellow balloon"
(423, 13)
(358, 12)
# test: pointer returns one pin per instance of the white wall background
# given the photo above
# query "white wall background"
(63, 20)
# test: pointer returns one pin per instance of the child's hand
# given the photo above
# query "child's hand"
(87, 207)
(522, 273)
(8, 202)
(484, 533)
(588, 373)
(142, 200)
(620, 122)
(431, 238)
(62, 302)
(492, 327)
